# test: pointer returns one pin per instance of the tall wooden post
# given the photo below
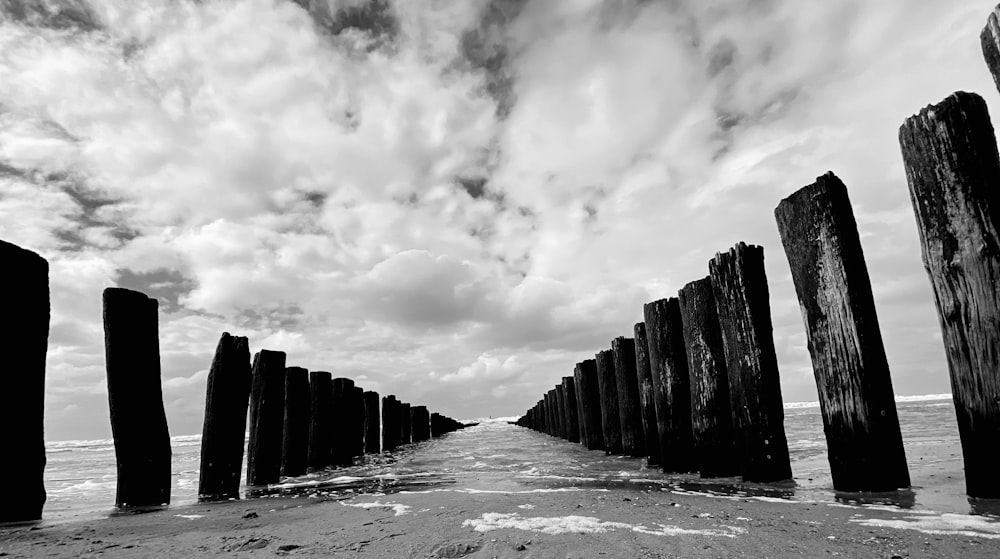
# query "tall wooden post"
(373, 424)
(561, 411)
(295, 438)
(647, 396)
(267, 418)
(589, 394)
(390, 423)
(24, 335)
(343, 433)
(711, 417)
(610, 417)
(223, 434)
(138, 422)
(549, 421)
(405, 428)
(990, 41)
(320, 420)
(572, 419)
(671, 385)
(741, 298)
(437, 425)
(953, 171)
(421, 421)
(629, 408)
(852, 374)
(357, 414)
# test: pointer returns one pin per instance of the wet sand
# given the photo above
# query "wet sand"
(455, 522)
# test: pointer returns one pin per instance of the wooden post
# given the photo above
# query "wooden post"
(24, 334)
(373, 425)
(343, 432)
(572, 420)
(320, 420)
(821, 242)
(990, 41)
(295, 437)
(739, 285)
(357, 414)
(421, 421)
(589, 394)
(557, 413)
(138, 422)
(711, 417)
(671, 388)
(223, 433)
(267, 418)
(390, 423)
(953, 171)
(610, 417)
(561, 412)
(647, 396)
(547, 398)
(437, 425)
(629, 408)
(405, 428)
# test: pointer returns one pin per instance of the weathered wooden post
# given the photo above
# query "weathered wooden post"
(357, 414)
(295, 437)
(610, 417)
(821, 241)
(437, 425)
(711, 416)
(990, 41)
(629, 408)
(572, 420)
(739, 285)
(558, 414)
(421, 421)
(549, 422)
(405, 428)
(24, 335)
(343, 433)
(671, 386)
(267, 418)
(320, 420)
(390, 423)
(373, 424)
(138, 422)
(953, 171)
(589, 394)
(561, 411)
(647, 395)
(223, 433)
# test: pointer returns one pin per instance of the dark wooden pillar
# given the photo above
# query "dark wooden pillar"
(647, 395)
(572, 419)
(953, 171)
(711, 416)
(223, 433)
(421, 421)
(357, 415)
(320, 420)
(610, 417)
(821, 242)
(405, 427)
(267, 418)
(138, 422)
(373, 423)
(629, 408)
(990, 41)
(589, 394)
(561, 412)
(437, 425)
(343, 432)
(390, 423)
(24, 335)
(547, 398)
(295, 438)
(741, 298)
(672, 392)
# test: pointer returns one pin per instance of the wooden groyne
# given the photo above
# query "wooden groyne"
(267, 418)
(223, 434)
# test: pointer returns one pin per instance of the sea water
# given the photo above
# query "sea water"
(495, 456)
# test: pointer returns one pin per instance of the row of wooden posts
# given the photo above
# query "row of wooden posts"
(697, 388)
(300, 421)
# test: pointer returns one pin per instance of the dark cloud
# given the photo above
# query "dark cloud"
(166, 286)
(52, 14)
(374, 19)
(487, 48)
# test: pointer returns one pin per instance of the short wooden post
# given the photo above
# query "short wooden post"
(373, 424)
(138, 422)
(572, 420)
(223, 433)
(711, 417)
(295, 437)
(610, 416)
(953, 171)
(390, 423)
(356, 397)
(561, 411)
(671, 386)
(739, 285)
(421, 421)
(267, 418)
(437, 425)
(629, 408)
(647, 395)
(343, 432)
(24, 334)
(320, 420)
(589, 394)
(990, 42)
(405, 428)
(821, 242)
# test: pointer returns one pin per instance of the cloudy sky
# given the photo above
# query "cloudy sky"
(451, 200)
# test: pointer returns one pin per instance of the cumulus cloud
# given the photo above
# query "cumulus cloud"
(455, 201)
